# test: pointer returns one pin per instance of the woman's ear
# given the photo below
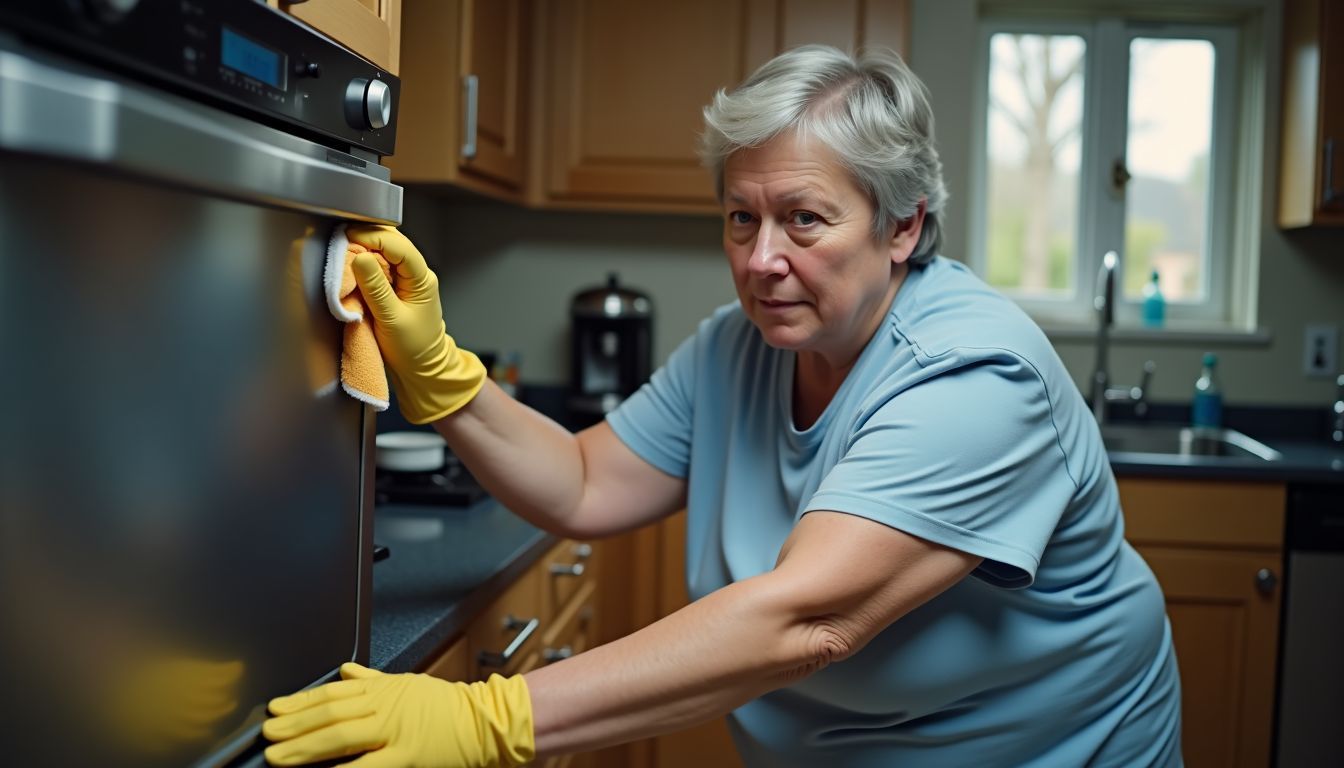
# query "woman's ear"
(906, 236)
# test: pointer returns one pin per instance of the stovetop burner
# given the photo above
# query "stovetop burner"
(452, 486)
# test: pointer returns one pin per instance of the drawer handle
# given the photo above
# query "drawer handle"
(552, 655)
(560, 569)
(583, 551)
(525, 630)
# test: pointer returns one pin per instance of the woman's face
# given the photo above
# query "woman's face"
(799, 239)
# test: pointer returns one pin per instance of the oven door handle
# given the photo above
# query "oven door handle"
(63, 110)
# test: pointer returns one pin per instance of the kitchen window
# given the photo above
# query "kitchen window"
(1107, 134)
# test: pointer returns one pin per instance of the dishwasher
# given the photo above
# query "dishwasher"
(1311, 674)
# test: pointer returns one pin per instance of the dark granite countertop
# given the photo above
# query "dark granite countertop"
(447, 564)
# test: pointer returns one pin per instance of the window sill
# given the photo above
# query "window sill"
(1257, 337)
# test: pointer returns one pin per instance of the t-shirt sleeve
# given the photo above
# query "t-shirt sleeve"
(969, 459)
(655, 422)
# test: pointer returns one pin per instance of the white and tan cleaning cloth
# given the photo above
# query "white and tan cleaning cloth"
(362, 374)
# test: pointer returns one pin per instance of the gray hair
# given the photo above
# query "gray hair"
(870, 109)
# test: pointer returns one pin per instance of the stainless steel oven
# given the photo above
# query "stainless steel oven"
(185, 506)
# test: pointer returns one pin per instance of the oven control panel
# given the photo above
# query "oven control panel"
(239, 54)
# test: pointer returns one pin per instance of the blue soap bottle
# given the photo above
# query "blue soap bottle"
(1154, 304)
(1207, 409)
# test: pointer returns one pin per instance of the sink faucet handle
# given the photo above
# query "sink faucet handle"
(1139, 394)
(1149, 368)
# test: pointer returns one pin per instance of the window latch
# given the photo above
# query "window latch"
(1119, 175)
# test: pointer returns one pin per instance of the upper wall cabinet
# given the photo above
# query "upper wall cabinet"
(623, 84)
(462, 95)
(367, 27)
(1311, 173)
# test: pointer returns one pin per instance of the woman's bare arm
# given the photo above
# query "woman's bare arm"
(582, 486)
(840, 580)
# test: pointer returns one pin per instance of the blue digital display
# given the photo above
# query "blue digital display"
(254, 60)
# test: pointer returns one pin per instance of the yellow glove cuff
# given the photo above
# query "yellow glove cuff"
(445, 378)
(502, 709)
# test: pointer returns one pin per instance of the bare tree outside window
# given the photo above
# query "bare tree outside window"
(1034, 152)
(1170, 135)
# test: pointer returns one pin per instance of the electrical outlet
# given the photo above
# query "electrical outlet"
(1320, 350)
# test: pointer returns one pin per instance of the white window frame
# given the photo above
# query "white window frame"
(1100, 227)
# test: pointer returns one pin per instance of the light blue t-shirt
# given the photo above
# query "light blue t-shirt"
(957, 424)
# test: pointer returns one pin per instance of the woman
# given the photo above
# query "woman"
(904, 538)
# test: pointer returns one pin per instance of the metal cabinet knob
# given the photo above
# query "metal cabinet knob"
(552, 655)
(1266, 581)
(563, 569)
(583, 551)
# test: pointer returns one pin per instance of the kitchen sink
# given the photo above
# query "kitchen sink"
(1176, 440)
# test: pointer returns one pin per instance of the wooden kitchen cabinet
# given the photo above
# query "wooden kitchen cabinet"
(707, 745)
(1217, 551)
(371, 28)
(622, 86)
(463, 83)
(593, 104)
(1311, 159)
(564, 600)
(509, 618)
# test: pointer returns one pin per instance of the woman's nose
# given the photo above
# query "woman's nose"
(767, 254)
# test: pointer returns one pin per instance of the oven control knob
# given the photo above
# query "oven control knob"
(368, 104)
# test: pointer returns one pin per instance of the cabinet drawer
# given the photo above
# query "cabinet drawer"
(502, 639)
(571, 632)
(565, 570)
(454, 663)
(1216, 514)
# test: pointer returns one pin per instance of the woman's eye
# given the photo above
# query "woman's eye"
(805, 218)
(740, 217)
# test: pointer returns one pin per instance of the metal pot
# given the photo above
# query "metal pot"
(410, 451)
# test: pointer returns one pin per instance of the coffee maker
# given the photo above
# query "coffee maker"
(611, 334)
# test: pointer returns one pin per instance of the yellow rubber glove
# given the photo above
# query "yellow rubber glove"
(404, 720)
(431, 376)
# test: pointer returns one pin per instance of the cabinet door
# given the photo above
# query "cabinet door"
(1216, 548)
(569, 568)
(1332, 111)
(370, 28)
(1224, 620)
(1311, 172)
(462, 112)
(626, 83)
(454, 663)
(493, 54)
(708, 745)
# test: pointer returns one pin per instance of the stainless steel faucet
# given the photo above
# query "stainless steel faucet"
(1337, 430)
(1101, 392)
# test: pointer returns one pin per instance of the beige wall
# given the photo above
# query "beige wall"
(508, 273)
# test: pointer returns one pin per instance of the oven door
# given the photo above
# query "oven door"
(185, 502)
